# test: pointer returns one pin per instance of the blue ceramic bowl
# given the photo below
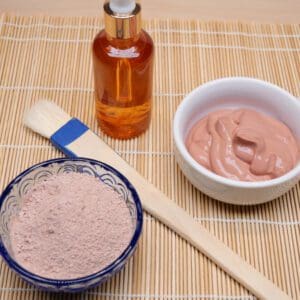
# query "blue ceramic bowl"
(10, 201)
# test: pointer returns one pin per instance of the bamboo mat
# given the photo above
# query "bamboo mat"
(49, 57)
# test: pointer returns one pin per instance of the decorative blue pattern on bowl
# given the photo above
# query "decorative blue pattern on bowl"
(11, 199)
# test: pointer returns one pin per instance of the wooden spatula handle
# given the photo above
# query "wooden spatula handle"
(158, 205)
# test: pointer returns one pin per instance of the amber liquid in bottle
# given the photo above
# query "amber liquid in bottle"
(123, 71)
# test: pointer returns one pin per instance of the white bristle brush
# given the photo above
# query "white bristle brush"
(75, 139)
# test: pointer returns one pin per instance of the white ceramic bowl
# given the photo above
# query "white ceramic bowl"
(235, 92)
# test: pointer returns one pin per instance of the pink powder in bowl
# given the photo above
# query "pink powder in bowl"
(69, 226)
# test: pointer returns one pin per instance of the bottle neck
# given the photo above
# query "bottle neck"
(122, 26)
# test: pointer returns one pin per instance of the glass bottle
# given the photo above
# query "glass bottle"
(123, 70)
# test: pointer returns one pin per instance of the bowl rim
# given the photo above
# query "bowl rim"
(180, 145)
(103, 272)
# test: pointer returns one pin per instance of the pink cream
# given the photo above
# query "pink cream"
(243, 144)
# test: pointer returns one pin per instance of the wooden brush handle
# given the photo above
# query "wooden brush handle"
(158, 205)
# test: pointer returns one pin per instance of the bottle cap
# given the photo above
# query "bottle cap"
(122, 6)
(124, 21)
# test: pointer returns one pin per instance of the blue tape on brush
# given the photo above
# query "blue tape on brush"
(67, 134)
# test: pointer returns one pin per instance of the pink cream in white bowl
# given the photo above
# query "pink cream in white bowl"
(239, 94)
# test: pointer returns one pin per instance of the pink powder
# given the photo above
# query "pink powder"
(70, 225)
